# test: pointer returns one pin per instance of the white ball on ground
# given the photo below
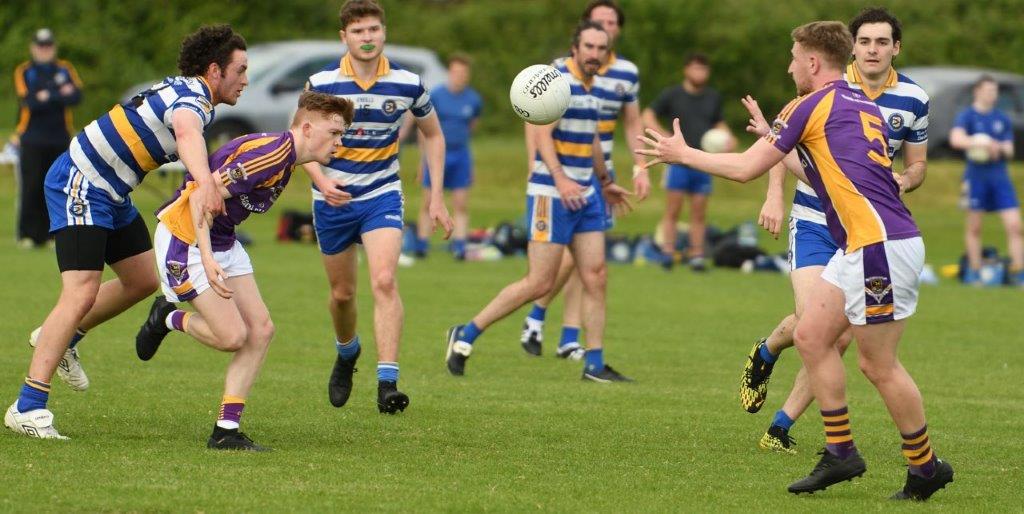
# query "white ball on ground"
(540, 94)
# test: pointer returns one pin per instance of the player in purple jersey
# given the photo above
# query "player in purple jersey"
(871, 283)
(204, 264)
(877, 41)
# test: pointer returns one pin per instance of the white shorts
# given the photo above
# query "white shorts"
(182, 276)
(880, 281)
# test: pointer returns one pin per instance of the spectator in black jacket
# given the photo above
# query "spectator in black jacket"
(47, 88)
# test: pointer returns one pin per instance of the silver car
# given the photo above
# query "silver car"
(278, 73)
(949, 90)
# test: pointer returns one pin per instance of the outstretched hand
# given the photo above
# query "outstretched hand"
(664, 149)
(757, 124)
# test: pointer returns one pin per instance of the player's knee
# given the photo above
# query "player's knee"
(79, 300)
(140, 287)
(538, 288)
(384, 283)
(262, 332)
(595, 277)
(343, 294)
(844, 342)
(875, 372)
(1013, 228)
(233, 340)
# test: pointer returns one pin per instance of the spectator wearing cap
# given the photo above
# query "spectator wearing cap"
(47, 88)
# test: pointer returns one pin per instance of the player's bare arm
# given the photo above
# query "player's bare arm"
(188, 132)
(633, 126)
(570, 192)
(616, 195)
(433, 149)
(739, 167)
(201, 221)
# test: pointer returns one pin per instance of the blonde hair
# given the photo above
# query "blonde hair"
(311, 101)
(829, 38)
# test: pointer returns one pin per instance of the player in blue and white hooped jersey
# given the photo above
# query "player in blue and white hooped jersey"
(987, 185)
(92, 216)
(563, 211)
(357, 197)
(904, 106)
(617, 85)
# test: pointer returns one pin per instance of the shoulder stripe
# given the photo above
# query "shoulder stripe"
(19, 79)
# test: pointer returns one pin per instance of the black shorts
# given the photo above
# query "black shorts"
(88, 247)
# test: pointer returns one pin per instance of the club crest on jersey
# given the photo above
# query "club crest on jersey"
(541, 225)
(389, 107)
(275, 192)
(235, 174)
(896, 121)
(620, 90)
(176, 269)
(205, 104)
(77, 207)
(877, 287)
(997, 126)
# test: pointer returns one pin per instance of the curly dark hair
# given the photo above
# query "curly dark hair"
(877, 15)
(210, 44)
(584, 26)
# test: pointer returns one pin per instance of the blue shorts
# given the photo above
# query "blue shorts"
(989, 191)
(458, 170)
(687, 180)
(609, 216)
(551, 222)
(73, 201)
(810, 244)
(338, 228)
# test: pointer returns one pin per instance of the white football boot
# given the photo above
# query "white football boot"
(34, 423)
(69, 369)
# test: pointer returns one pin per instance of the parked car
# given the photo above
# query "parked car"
(278, 73)
(949, 90)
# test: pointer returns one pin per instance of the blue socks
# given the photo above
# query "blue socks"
(593, 360)
(767, 355)
(422, 245)
(782, 420)
(79, 335)
(538, 313)
(34, 395)
(569, 335)
(459, 247)
(469, 333)
(349, 350)
(387, 372)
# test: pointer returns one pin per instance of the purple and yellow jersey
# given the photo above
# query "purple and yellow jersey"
(573, 137)
(117, 150)
(841, 139)
(253, 168)
(367, 162)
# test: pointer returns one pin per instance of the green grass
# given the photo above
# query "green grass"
(517, 433)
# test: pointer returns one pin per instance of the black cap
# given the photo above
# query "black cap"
(44, 37)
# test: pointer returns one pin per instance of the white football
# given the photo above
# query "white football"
(715, 140)
(978, 150)
(539, 94)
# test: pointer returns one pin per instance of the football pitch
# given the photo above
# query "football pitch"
(517, 433)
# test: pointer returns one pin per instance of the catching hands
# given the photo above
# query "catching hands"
(333, 194)
(664, 149)
(757, 124)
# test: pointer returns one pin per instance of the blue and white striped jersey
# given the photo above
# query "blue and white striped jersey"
(117, 150)
(573, 135)
(616, 84)
(367, 163)
(904, 106)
